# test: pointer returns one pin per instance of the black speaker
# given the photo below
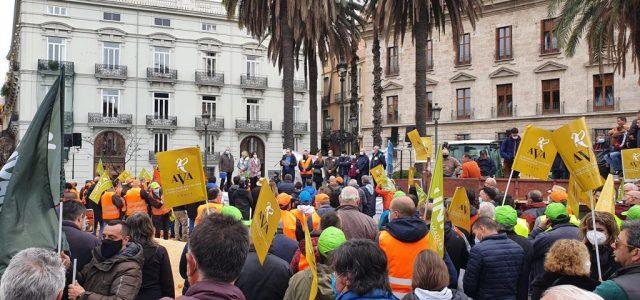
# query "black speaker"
(394, 136)
(77, 139)
(68, 140)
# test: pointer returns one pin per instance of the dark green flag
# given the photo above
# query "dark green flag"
(30, 183)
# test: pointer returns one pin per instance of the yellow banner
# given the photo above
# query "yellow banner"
(606, 202)
(124, 176)
(265, 221)
(412, 170)
(459, 210)
(577, 153)
(631, 163)
(181, 175)
(436, 192)
(428, 145)
(311, 258)
(536, 153)
(575, 195)
(422, 196)
(144, 174)
(418, 146)
(103, 184)
(379, 175)
(100, 168)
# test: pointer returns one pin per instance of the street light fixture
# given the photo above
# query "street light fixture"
(328, 123)
(353, 122)
(436, 116)
(342, 73)
(206, 120)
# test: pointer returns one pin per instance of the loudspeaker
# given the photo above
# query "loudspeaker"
(68, 140)
(394, 136)
(77, 139)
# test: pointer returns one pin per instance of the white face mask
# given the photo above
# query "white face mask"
(85, 224)
(477, 241)
(596, 238)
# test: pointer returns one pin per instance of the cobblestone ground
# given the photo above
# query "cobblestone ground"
(175, 250)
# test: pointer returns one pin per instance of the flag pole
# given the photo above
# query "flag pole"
(593, 221)
(506, 191)
(61, 204)
(61, 93)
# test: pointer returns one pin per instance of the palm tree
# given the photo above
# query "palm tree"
(377, 89)
(612, 29)
(353, 101)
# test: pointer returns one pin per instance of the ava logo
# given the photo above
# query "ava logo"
(50, 144)
(539, 152)
(578, 139)
(541, 142)
(636, 156)
(181, 163)
(184, 175)
(265, 215)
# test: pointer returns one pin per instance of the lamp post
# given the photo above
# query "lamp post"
(328, 123)
(436, 116)
(353, 122)
(342, 73)
(206, 118)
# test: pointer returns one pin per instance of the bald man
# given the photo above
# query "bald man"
(491, 182)
(353, 222)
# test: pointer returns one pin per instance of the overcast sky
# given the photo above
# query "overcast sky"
(6, 21)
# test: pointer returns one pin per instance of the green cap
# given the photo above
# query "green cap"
(555, 210)
(633, 213)
(506, 216)
(398, 194)
(154, 185)
(330, 239)
(229, 210)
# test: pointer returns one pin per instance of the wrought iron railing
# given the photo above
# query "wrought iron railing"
(605, 104)
(53, 66)
(550, 109)
(210, 79)
(111, 71)
(102, 120)
(162, 74)
(168, 122)
(254, 82)
(299, 86)
(462, 115)
(298, 127)
(503, 111)
(253, 125)
(215, 124)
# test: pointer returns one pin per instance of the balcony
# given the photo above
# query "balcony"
(550, 108)
(52, 67)
(215, 124)
(152, 157)
(117, 121)
(462, 115)
(300, 86)
(546, 49)
(212, 158)
(337, 97)
(298, 127)
(167, 123)
(325, 101)
(209, 79)
(165, 75)
(503, 111)
(608, 104)
(244, 125)
(111, 72)
(254, 82)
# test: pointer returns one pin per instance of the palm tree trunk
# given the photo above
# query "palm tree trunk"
(353, 107)
(377, 90)
(287, 83)
(313, 100)
(420, 40)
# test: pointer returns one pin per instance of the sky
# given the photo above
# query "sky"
(6, 21)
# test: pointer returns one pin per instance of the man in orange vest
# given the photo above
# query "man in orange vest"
(287, 218)
(136, 200)
(160, 212)
(306, 166)
(213, 205)
(308, 210)
(111, 204)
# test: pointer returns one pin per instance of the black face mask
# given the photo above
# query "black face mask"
(445, 156)
(110, 248)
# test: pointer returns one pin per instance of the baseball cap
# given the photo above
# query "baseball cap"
(283, 199)
(305, 197)
(399, 194)
(233, 211)
(633, 213)
(340, 180)
(558, 194)
(555, 211)
(506, 215)
(322, 198)
(330, 239)
(154, 185)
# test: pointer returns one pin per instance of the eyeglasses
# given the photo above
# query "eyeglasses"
(619, 243)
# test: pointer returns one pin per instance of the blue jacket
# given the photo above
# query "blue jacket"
(312, 192)
(493, 268)
(542, 242)
(378, 159)
(344, 163)
(487, 166)
(362, 164)
(508, 147)
(375, 294)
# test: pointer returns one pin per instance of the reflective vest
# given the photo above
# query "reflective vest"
(212, 208)
(109, 210)
(288, 224)
(315, 219)
(134, 203)
(304, 164)
(522, 228)
(163, 210)
(400, 258)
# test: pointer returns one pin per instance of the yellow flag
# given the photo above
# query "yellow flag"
(100, 167)
(606, 202)
(103, 184)
(311, 258)
(422, 196)
(631, 163)
(428, 145)
(418, 146)
(379, 175)
(265, 220)
(575, 148)
(410, 177)
(459, 210)
(574, 196)
(436, 191)
(124, 176)
(144, 174)
(536, 153)
(181, 175)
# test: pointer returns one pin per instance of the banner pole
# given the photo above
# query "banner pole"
(75, 267)
(60, 228)
(506, 191)
(593, 221)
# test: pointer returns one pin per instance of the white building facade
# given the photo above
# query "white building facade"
(140, 75)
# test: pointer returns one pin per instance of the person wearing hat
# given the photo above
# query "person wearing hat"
(323, 201)
(213, 205)
(287, 217)
(305, 208)
(160, 212)
(507, 219)
(450, 165)
(300, 284)
(558, 220)
(633, 213)
(557, 194)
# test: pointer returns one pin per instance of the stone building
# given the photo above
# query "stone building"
(141, 73)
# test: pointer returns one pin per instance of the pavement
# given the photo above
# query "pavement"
(174, 248)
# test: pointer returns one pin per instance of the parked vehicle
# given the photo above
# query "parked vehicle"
(473, 148)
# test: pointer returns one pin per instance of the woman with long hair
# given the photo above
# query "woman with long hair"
(255, 170)
(602, 237)
(431, 278)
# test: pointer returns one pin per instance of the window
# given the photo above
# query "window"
(505, 100)
(208, 27)
(56, 48)
(501, 136)
(297, 111)
(209, 63)
(463, 103)
(110, 102)
(56, 10)
(252, 65)
(429, 55)
(253, 109)
(551, 96)
(392, 109)
(464, 50)
(503, 43)
(393, 68)
(161, 59)
(549, 38)
(160, 142)
(111, 55)
(463, 136)
(429, 109)
(603, 92)
(600, 133)
(209, 143)
(209, 106)
(161, 105)
(162, 22)
(111, 16)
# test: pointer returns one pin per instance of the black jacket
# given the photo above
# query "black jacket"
(157, 277)
(286, 187)
(344, 164)
(548, 279)
(378, 159)
(543, 240)
(243, 201)
(267, 281)
(283, 247)
(80, 243)
(368, 201)
(487, 166)
(608, 264)
(362, 164)
(523, 280)
(456, 247)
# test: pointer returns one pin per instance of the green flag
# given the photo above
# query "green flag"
(436, 192)
(30, 183)
(101, 186)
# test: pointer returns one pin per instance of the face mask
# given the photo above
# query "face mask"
(445, 156)
(255, 156)
(226, 152)
(596, 238)
(514, 137)
(85, 224)
(361, 153)
(156, 191)
(109, 248)
(333, 286)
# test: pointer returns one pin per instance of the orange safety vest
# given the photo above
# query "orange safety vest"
(213, 207)
(400, 258)
(135, 203)
(288, 224)
(315, 219)
(109, 210)
(304, 164)
(163, 210)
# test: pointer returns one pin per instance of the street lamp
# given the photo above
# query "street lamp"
(436, 116)
(353, 122)
(342, 73)
(328, 122)
(206, 119)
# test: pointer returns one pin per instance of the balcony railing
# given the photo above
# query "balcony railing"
(611, 104)
(100, 120)
(393, 68)
(462, 115)
(47, 66)
(299, 86)
(215, 124)
(503, 111)
(298, 127)
(254, 82)
(325, 101)
(337, 98)
(554, 108)
(212, 158)
(209, 79)
(253, 125)
(162, 75)
(155, 122)
(549, 49)
(111, 72)
(152, 157)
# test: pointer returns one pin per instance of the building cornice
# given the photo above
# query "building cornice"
(198, 8)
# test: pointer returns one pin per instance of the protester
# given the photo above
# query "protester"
(470, 168)
(181, 223)
(160, 213)
(288, 163)
(305, 208)
(535, 207)
(309, 188)
(603, 236)
(387, 196)
(330, 165)
(243, 164)
(157, 277)
(226, 166)
(255, 170)
(33, 273)
(115, 269)
(488, 194)
(355, 224)
(569, 292)
(369, 199)
(566, 263)
(287, 217)
(213, 205)
(495, 263)
(362, 165)
(136, 199)
(336, 189)
(456, 245)
(486, 164)
(344, 164)
(266, 280)
(323, 202)
(491, 182)
(74, 223)
(318, 166)
(450, 165)
(242, 199)
(618, 136)
(507, 219)
(283, 246)
(360, 270)
(633, 213)
(430, 279)
(487, 209)
(508, 149)
(623, 284)
(286, 185)
(306, 166)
